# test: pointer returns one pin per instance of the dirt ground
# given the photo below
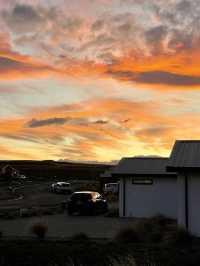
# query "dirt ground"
(61, 225)
(33, 194)
(30, 194)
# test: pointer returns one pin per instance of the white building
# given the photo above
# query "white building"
(185, 160)
(146, 188)
(168, 186)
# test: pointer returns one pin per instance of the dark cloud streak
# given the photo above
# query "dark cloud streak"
(156, 77)
(34, 123)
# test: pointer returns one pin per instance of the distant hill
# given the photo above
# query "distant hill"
(57, 170)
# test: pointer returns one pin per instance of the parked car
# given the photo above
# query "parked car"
(86, 202)
(61, 187)
(111, 188)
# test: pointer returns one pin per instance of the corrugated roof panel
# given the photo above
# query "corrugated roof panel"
(185, 154)
(142, 166)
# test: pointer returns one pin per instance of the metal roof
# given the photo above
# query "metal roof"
(155, 166)
(185, 154)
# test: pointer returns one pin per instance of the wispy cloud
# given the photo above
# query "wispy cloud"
(102, 71)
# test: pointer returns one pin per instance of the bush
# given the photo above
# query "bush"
(127, 260)
(80, 237)
(153, 230)
(148, 231)
(177, 236)
(127, 235)
(161, 220)
(39, 229)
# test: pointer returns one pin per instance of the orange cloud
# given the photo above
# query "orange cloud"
(73, 132)
(8, 153)
(14, 66)
(180, 70)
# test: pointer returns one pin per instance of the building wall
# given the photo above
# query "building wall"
(194, 203)
(121, 184)
(181, 200)
(149, 200)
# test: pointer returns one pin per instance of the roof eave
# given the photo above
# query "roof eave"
(181, 168)
(117, 175)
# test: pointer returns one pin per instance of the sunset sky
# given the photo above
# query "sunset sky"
(95, 80)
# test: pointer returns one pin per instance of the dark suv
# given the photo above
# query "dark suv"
(86, 202)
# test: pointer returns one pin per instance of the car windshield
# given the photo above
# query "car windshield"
(65, 185)
(81, 196)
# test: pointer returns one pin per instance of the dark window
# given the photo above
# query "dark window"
(142, 181)
(81, 197)
(65, 185)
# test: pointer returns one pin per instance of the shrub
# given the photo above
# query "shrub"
(127, 260)
(153, 230)
(127, 235)
(80, 237)
(148, 231)
(178, 235)
(161, 220)
(39, 229)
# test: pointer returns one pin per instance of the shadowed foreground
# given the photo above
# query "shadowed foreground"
(85, 253)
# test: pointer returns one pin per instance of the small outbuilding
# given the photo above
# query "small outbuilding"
(185, 160)
(146, 188)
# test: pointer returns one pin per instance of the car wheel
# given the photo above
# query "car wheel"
(92, 211)
(63, 205)
(105, 209)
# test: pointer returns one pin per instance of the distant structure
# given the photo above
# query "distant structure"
(8, 173)
(146, 188)
(168, 186)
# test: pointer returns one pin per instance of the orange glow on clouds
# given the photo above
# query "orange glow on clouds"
(97, 82)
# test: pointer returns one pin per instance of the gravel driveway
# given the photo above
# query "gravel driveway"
(61, 225)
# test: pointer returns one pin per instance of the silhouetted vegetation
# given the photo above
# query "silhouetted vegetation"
(156, 230)
(80, 237)
(86, 253)
(178, 236)
(39, 229)
(128, 235)
(157, 241)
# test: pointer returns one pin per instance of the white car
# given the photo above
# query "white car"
(111, 188)
(61, 187)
